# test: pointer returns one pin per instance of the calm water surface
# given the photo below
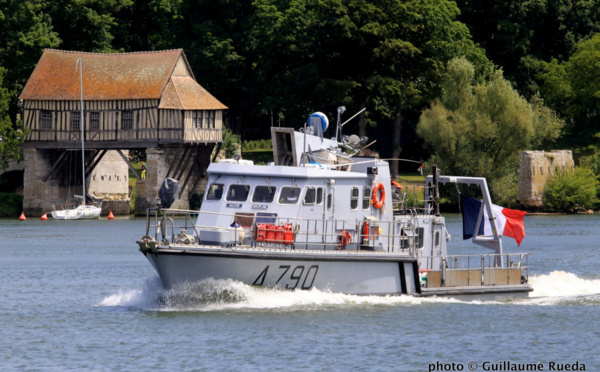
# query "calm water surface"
(78, 296)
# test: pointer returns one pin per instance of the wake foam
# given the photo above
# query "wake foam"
(558, 287)
(217, 295)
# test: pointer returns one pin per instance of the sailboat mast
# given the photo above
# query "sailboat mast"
(81, 121)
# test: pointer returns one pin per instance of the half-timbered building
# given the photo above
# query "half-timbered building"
(142, 100)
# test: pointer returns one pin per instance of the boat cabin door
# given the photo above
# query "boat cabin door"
(328, 215)
(436, 246)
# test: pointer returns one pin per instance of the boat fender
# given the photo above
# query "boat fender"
(147, 244)
(378, 203)
(343, 239)
(397, 185)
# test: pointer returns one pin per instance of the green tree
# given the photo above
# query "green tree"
(86, 25)
(11, 136)
(388, 56)
(479, 129)
(25, 30)
(215, 35)
(231, 142)
(570, 190)
(573, 87)
(518, 34)
(147, 25)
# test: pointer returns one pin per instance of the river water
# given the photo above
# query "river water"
(79, 296)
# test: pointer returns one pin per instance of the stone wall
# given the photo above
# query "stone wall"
(108, 181)
(536, 168)
(158, 162)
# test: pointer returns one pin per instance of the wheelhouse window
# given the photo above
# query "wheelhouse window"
(319, 195)
(127, 123)
(215, 191)
(354, 198)
(95, 120)
(366, 198)
(329, 201)
(238, 193)
(310, 196)
(75, 120)
(46, 120)
(263, 194)
(289, 195)
(419, 232)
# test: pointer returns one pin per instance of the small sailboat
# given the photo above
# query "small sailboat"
(83, 210)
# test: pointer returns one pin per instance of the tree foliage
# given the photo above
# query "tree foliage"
(279, 60)
(479, 129)
(518, 34)
(571, 190)
(573, 87)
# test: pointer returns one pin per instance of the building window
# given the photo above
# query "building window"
(209, 119)
(127, 122)
(75, 120)
(354, 198)
(197, 119)
(46, 120)
(94, 120)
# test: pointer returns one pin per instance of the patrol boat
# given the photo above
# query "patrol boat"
(323, 216)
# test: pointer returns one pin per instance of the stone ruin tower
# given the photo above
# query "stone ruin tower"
(536, 168)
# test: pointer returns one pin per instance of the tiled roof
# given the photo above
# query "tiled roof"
(184, 93)
(142, 75)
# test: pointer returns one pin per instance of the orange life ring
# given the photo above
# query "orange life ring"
(378, 203)
(343, 239)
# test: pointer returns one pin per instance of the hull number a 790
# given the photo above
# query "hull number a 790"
(295, 276)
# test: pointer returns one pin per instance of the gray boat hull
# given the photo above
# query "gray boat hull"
(366, 273)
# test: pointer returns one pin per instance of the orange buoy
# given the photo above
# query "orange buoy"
(44, 217)
(22, 218)
(111, 216)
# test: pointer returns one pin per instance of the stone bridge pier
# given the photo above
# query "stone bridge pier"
(186, 164)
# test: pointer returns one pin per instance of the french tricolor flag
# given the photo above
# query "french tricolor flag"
(509, 221)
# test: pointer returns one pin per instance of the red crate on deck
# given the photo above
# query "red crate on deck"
(270, 233)
(289, 234)
(278, 234)
(260, 232)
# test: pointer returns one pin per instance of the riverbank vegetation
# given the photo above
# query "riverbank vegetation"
(463, 84)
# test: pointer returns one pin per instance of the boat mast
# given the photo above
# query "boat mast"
(81, 121)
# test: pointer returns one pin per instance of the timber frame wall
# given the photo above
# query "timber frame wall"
(150, 125)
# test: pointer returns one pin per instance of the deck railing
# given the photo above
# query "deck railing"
(480, 269)
(174, 225)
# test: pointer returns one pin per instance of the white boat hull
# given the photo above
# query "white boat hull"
(79, 213)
